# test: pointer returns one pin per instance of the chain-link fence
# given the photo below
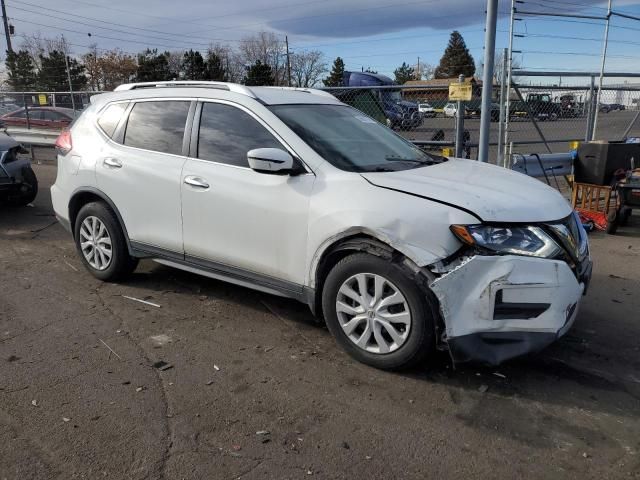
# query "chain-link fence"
(541, 118)
(41, 110)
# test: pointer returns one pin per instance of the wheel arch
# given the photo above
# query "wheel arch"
(353, 241)
(84, 195)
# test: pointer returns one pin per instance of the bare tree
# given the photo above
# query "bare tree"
(38, 45)
(498, 65)
(424, 71)
(268, 49)
(232, 61)
(174, 61)
(307, 68)
(109, 69)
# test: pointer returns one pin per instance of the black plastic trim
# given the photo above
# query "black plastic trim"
(517, 311)
(285, 288)
(493, 348)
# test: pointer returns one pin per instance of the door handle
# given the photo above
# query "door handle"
(196, 182)
(112, 162)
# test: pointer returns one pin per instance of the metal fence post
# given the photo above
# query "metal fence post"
(26, 110)
(588, 134)
(503, 101)
(459, 124)
(487, 80)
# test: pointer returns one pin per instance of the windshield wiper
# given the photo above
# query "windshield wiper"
(391, 158)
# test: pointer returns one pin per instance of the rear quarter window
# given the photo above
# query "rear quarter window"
(110, 117)
(157, 125)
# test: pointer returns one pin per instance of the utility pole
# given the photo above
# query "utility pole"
(6, 28)
(503, 100)
(460, 123)
(66, 63)
(507, 105)
(419, 77)
(604, 59)
(286, 41)
(487, 79)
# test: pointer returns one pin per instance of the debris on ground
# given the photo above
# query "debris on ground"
(141, 301)
(216, 368)
(498, 374)
(345, 445)
(34, 403)
(139, 389)
(262, 432)
(110, 350)
(162, 365)
(483, 388)
(65, 419)
(210, 382)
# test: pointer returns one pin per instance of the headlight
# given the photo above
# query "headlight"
(531, 241)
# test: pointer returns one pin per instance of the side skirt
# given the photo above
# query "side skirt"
(225, 273)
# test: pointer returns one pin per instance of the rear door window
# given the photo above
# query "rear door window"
(110, 117)
(157, 125)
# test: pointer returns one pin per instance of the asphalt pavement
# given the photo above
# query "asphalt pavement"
(210, 380)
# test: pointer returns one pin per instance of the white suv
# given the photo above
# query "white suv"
(293, 193)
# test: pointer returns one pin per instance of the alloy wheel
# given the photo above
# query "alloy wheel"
(373, 313)
(95, 243)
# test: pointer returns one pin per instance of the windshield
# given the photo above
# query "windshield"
(350, 140)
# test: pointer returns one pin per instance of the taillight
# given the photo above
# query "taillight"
(64, 143)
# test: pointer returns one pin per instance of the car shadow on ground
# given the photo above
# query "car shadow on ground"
(570, 373)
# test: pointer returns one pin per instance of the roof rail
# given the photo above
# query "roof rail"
(231, 87)
(313, 91)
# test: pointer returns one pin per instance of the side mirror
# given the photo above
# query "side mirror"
(270, 160)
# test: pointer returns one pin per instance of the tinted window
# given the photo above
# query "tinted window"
(157, 126)
(20, 114)
(110, 117)
(227, 134)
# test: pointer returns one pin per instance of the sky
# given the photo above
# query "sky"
(375, 34)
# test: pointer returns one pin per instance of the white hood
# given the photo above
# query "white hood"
(491, 193)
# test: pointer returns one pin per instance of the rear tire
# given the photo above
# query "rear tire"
(101, 244)
(395, 325)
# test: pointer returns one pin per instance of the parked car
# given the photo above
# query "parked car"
(18, 182)
(426, 110)
(291, 192)
(450, 110)
(39, 117)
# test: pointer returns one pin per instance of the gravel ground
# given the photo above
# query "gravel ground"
(80, 397)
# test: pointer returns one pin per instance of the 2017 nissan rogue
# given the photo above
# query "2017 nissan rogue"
(291, 192)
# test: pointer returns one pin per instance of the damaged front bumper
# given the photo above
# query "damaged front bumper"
(499, 307)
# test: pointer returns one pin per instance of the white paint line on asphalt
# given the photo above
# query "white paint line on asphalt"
(142, 301)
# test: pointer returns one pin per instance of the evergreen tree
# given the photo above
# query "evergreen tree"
(404, 73)
(215, 70)
(337, 73)
(193, 66)
(259, 74)
(456, 59)
(153, 67)
(53, 73)
(20, 71)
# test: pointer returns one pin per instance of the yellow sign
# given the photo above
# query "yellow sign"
(460, 91)
(42, 99)
(447, 152)
(574, 145)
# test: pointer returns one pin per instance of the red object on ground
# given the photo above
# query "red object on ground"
(599, 219)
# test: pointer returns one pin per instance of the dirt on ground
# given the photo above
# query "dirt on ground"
(221, 382)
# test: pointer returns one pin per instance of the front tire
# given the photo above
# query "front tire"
(101, 244)
(377, 313)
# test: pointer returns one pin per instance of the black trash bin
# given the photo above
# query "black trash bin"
(597, 161)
